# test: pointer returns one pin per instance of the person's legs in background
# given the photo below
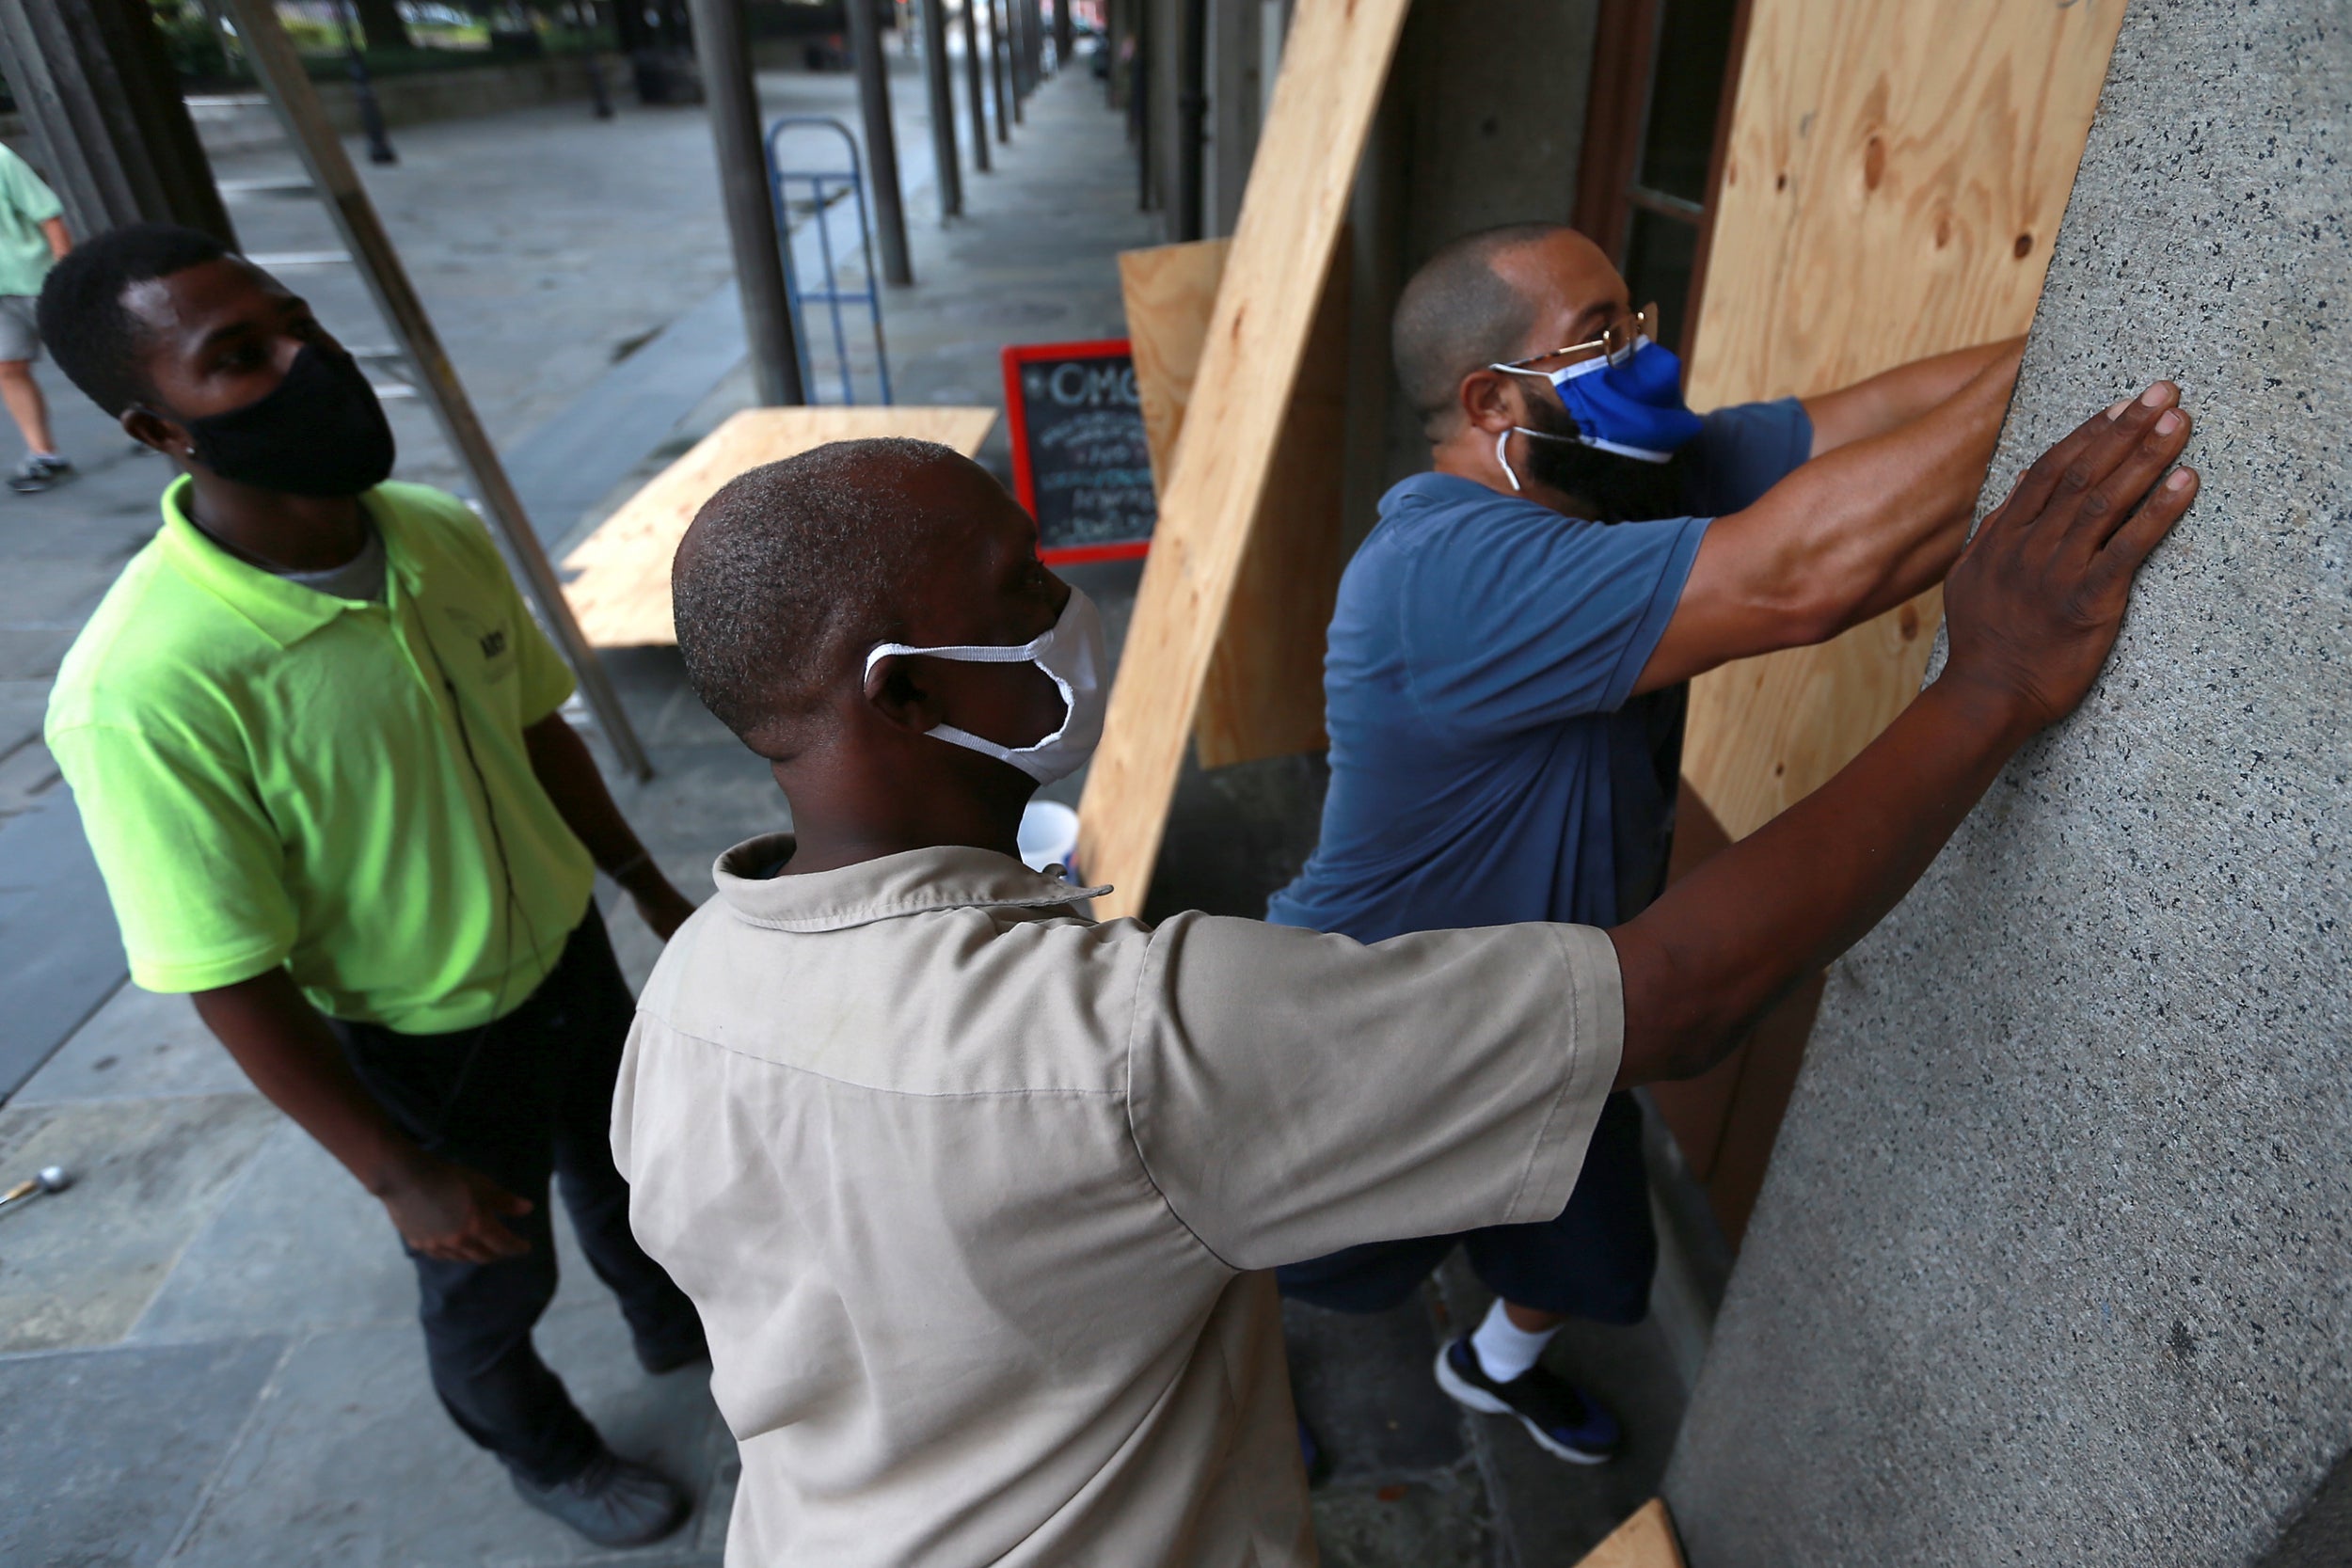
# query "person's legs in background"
(20, 344)
(1594, 1261)
(496, 1101)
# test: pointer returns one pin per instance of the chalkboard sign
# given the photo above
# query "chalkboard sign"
(1079, 462)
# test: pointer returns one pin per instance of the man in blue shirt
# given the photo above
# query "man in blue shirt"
(1507, 674)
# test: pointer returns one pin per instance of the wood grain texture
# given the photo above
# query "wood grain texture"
(1169, 292)
(1334, 65)
(1894, 177)
(622, 592)
(1644, 1541)
(1263, 694)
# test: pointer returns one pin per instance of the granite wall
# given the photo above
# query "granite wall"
(2051, 1265)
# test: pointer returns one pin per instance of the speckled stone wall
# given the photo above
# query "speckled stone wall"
(2052, 1265)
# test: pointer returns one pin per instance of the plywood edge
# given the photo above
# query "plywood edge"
(1647, 1540)
(1334, 67)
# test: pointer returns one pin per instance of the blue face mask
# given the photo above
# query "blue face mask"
(1634, 409)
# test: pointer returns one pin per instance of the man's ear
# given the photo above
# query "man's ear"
(151, 430)
(1489, 401)
(896, 692)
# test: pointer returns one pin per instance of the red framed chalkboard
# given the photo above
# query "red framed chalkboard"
(1079, 461)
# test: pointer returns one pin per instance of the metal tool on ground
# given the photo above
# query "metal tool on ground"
(49, 1178)
(813, 192)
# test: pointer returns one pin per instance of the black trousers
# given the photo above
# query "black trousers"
(519, 1100)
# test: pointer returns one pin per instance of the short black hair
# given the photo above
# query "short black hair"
(1457, 315)
(794, 567)
(91, 333)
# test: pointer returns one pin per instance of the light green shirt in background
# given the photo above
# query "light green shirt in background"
(25, 204)
(269, 775)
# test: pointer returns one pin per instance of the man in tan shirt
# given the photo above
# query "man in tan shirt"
(977, 1197)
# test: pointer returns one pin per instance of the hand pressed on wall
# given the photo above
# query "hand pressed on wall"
(2035, 604)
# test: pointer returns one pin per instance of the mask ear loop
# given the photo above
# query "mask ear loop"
(1502, 441)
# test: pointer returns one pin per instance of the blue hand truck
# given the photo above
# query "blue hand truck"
(814, 193)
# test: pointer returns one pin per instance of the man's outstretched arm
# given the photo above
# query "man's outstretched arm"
(1899, 396)
(1840, 540)
(2033, 608)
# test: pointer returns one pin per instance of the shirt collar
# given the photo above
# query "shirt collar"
(948, 876)
(285, 612)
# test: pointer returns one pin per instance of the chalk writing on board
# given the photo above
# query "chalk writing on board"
(1080, 463)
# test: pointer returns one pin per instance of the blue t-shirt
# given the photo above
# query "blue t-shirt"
(1487, 762)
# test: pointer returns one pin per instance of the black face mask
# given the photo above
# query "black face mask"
(1620, 489)
(321, 433)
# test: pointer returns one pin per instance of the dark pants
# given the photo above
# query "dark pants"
(1595, 1260)
(528, 1096)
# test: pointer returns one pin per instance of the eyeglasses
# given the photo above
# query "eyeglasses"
(1618, 342)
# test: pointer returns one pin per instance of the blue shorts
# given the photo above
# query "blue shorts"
(1593, 1261)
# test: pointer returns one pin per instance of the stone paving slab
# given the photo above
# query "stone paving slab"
(106, 1455)
(300, 1245)
(139, 1045)
(350, 1458)
(78, 1267)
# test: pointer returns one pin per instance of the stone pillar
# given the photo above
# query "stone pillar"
(2053, 1261)
(102, 106)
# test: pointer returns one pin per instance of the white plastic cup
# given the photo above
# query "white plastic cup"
(1049, 836)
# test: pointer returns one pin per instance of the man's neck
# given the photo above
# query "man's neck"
(1474, 460)
(276, 532)
(839, 820)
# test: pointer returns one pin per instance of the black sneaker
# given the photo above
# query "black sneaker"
(1563, 1421)
(614, 1502)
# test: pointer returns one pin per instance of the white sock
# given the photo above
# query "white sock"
(1505, 1349)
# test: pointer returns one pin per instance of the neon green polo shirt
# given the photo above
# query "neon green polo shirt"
(270, 775)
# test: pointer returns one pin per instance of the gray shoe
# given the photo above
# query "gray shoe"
(614, 1502)
(35, 474)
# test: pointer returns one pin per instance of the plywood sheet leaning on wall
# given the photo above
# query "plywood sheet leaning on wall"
(1893, 178)
(1334, 64)
(621, 585)
(1264, 696)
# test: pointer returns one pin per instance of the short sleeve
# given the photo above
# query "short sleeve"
(1293, 1093)
(33, 199)
(192, 865)
(1744, 451)
(1519, 617)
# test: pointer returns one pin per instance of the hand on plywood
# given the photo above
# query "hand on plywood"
(2034, 608)
(2035, 604)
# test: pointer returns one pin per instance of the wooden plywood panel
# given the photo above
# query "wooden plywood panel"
(622, 592)
(1644, 1541)
(1334, 64)
(1894, 177)
(1263, 694)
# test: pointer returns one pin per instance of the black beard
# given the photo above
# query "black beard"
(1616, 488)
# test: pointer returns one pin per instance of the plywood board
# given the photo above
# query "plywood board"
(1334, 64)
(1893, 181)
(622, 592)
(1644, 1541)
(1264, 696)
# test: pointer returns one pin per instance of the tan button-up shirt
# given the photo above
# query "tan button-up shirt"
(977, 1197)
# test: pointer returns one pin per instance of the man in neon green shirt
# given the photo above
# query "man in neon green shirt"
(32, 236)
(313, 733)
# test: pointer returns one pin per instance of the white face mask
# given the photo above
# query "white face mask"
(1074, 654)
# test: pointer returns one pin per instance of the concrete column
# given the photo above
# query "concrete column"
(975, 85)
(1008, 104)
(1065, 43)
(2051, 1262)
(101, 107)
(937, 79)
(881, 141)
(724, 53)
